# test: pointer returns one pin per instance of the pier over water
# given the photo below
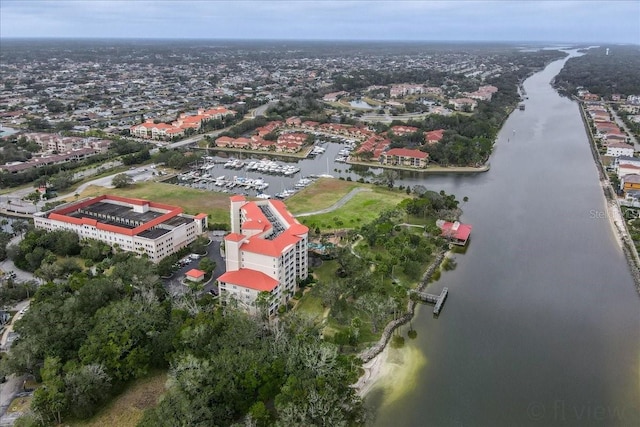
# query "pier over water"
(438, 300)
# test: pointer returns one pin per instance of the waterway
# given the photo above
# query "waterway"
(542, 323)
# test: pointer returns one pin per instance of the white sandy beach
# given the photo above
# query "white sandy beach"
(395, 369)
(616, 221)
(374, 370)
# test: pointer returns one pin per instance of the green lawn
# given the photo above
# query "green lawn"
(193, 201)
(320, 195)
(326, 272)
(311, 306)
(363, 208)
(324, 193)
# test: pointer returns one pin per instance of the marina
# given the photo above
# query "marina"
(256, 175)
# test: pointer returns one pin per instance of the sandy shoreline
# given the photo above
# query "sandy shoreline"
(616, 221)
(374, 370)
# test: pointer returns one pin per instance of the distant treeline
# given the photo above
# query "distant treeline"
(602, 74)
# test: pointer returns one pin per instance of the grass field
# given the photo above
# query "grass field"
(362, 208)
(126, 410)
(320, 195)
(311, 306)
(193, 201)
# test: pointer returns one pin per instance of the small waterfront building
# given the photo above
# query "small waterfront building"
(456, 232)
(630, 182)
(625, 165)
(617, 149)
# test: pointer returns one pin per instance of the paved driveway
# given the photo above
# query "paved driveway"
(174, 283)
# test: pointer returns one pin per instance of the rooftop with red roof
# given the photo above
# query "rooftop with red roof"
(194, 273)
(407, 152)
(251, 279)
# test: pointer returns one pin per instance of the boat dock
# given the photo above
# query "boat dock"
(438, 300)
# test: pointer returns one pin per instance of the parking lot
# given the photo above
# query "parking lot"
(174, 283)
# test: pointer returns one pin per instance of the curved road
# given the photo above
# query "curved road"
(340, 203)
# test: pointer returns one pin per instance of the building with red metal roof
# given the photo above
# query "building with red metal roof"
(136, 225)
(456, 232)
(195, 275)
(266, 251)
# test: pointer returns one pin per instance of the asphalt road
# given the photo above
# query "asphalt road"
(174, 283)
(620, 123)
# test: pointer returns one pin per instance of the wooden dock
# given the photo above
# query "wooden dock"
(438, 300)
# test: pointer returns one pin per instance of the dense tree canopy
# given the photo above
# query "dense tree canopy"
(87, 336)
(601, 73)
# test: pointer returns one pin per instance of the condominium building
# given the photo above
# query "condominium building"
(405, 157)
(266, 251)
(135, 225)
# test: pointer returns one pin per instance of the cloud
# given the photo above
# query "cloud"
(573, 21)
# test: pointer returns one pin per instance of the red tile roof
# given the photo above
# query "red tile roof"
(255, 225)
(194, 273)
(272, 248)
(234, 237)
(406, 152)
(434, 135)
(61, 214)
(255, 219)
(251, 279)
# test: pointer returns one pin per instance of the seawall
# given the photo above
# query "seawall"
(613, 207)
(377, 348)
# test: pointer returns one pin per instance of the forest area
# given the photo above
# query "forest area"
(604, 71)
(89, 334)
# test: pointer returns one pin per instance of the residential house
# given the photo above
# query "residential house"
(460, 104)
(630, 182)
(401, 130)
(433, 136)
(617, 149)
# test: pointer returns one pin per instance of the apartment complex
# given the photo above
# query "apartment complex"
(150, 129)
(135, 225)
(266, 251)
(405, 157)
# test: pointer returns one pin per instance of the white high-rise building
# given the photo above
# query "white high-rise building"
(266, 251)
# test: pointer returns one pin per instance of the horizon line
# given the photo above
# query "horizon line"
(302, 40)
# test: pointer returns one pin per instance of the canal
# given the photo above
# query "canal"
(542, 323)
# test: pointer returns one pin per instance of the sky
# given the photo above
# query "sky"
(606, 21)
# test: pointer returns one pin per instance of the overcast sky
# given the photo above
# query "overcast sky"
(504, 20)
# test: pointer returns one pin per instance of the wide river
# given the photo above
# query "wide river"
(542, 323)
